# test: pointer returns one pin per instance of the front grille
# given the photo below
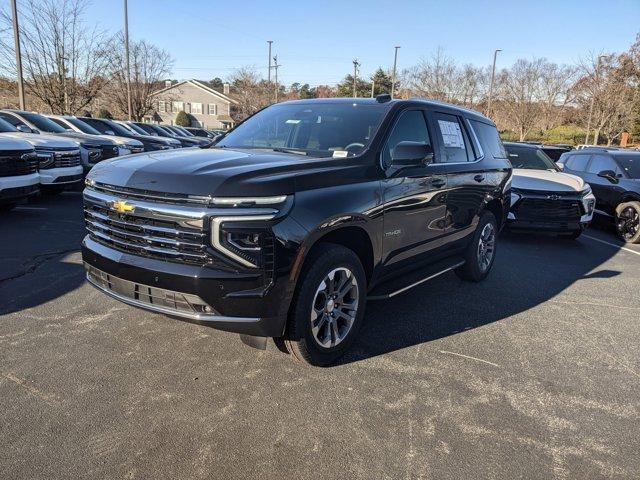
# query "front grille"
(548, 210)
(17, 162)
(161, 239)
(109, 151)
(58, 158)
(142, 295)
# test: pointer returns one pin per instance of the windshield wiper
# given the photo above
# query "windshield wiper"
(288, 150)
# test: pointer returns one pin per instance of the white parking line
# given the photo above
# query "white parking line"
(446, 352)
(612, 244)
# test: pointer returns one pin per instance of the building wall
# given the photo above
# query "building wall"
(189, 95)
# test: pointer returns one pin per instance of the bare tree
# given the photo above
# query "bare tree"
(149, 65)
(433, 77)
(63, 59)
(518, 91)
(555, 92)
(251, 92)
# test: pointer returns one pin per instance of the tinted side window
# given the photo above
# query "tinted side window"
(489, 138)
(456, 147)
(410, 127)
(11, 119)
(59, 122)
(577, 163)
(600, 163)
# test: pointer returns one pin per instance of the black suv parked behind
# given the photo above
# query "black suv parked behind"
(614, 178)
(298, 215)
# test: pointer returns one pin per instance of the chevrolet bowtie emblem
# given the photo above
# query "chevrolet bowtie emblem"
(121, 206)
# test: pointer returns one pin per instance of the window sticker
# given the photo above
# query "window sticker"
(451, 134)
(340, 153)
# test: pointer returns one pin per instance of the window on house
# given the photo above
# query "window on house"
(213, 109)
(162, 106)
(196, 108)
(177, 107)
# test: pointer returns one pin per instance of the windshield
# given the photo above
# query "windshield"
(6, 127)
(43, 123)
(319, 129)
(530, 158)
(107, 127)
(630, 163)
(82, 126)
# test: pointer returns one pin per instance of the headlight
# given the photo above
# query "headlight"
(89, 182)
(123, 151)
(45, 159)
(245, 239)
(588, 200)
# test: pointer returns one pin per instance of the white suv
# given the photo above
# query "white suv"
(18, 172)
(58, 158)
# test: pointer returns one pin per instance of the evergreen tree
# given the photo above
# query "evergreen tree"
(182, 119)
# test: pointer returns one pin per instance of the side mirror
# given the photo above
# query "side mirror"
(560, 166)
(109, 132)
(411, 154)
(217, 138)
(609, 175)
(24, 129)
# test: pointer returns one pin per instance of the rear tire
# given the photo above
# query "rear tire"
(7, 206)
(481, 252)
(628, 222)
(328, 306)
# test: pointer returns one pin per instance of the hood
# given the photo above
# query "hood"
(88, 139)
(9, 143)
(154, 139)
(226, 172)
(545, 180)
(43, 140)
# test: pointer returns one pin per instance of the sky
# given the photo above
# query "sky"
(317, 41)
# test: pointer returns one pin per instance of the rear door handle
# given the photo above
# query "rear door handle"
(479, 178)
(438, 183)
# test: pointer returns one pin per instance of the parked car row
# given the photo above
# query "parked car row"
(52, 152)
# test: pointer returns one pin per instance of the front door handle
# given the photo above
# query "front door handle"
(479, 178)
(438, 183)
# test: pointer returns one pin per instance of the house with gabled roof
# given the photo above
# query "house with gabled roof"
(207, 107)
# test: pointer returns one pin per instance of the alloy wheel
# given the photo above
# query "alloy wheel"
(334, 308)
(486, 247)
(628, 223)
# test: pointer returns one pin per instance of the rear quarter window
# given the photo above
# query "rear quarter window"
(489, 139)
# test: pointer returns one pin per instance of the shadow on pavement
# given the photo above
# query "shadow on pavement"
(529, 270)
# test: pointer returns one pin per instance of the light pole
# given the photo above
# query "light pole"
(356, 64)
(16, 38)
(393, 74)
(593, 97)
(126, 56)
(275, 66)
(493, 76)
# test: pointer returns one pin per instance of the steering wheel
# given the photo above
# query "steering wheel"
(354, 145)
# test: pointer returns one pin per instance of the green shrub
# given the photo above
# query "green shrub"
(182, 119)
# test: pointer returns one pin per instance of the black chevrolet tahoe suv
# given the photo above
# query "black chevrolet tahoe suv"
(614, 176)
(299, 215)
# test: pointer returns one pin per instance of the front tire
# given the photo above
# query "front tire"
(481, 252)
(328, 306)
(628, 222)
(52, 189)
(571, 236)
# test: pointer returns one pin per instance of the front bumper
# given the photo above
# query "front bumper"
(221, 299)
(61, 176)
(18, 187)
(547, 212)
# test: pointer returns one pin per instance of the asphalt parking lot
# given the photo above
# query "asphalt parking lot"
(534, 373)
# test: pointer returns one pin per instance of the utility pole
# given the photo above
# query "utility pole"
(393, 74)
(126, 56)
(269, 69)
(593, 97)
(16, 38)
(275, 66)
(493, 75)
(356, 64)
